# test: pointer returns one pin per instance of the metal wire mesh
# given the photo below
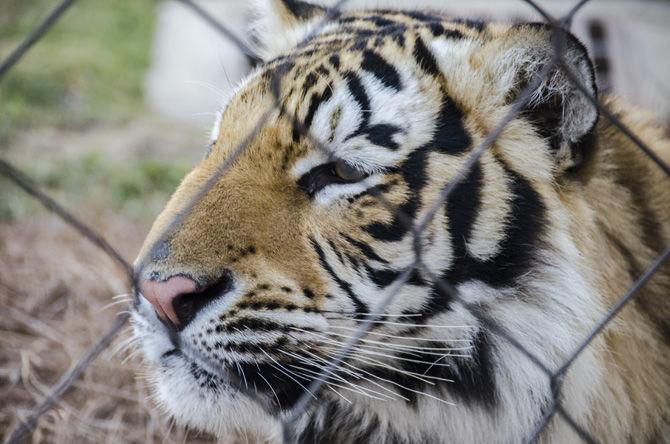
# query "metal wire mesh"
(554, 375)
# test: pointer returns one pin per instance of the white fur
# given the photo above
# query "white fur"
(548, 313)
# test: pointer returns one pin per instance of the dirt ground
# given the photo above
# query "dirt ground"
(59, 294)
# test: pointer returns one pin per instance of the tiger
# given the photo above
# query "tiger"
(320, 212)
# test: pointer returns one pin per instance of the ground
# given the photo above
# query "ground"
(73, 118)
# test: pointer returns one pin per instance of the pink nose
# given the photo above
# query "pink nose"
(163, 294)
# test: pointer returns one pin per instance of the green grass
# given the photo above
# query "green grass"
(138, 191)
(89, 68)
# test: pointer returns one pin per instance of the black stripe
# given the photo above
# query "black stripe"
(462, 207)
(372, 191)
(361, 307)
(398, 35)
(322, 70)
(413, 171)
(335, 61)
(300, 9)
(315, 102)
(381, 278)
(477, 25)
(474, 378)
(255, 324)
(425, 58)
(420, 16)
(286, 389)
(379, 134)
(360, 96)
(450, 137)
(365, 249)
(342, 425)
(381, 69)
(335, 250)
(517, 249)
(380, 21)
(382, 135)
(437, 29)
(310, 80)
(384, 278)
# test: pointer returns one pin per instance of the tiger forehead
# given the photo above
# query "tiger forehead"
(377, 42)
(352, 33)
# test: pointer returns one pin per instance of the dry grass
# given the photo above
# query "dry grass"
(80, 130)
(58, 294)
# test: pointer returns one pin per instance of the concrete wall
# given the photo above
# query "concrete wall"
(194, 66)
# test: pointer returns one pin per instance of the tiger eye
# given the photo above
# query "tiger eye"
(347, 172)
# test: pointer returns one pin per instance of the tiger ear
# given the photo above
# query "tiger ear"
(279, 25)
(558, 109)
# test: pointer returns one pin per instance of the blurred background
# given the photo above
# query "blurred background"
(106, 114)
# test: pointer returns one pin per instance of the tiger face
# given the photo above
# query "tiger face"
(304, 215)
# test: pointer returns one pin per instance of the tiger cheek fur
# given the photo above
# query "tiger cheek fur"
(275, 247)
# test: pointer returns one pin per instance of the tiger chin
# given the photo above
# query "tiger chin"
(267, 259)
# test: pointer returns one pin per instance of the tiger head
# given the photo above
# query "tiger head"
(320, 195)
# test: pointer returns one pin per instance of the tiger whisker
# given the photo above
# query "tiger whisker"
(240, 371)
(331, 374)
(124, 345)
(355, 388)
(369, 380)
(316, 364)
(308, 375)
(131, 355)
(390, 315)
(378, 363)
(318, 360)
(339, 394)
(324, 361)
(407, 388)
(416, 353)
(433, 364)
(269, 385)
(356, 391)
(111, 304)
(402, 324)
(374, 347)
(222, 94)
(406, 372)
(364, 347)
(286, 372)
(403, 346)
(412, 338)
(310, 362)
(368, 352)
(360, 377)
(415, 375)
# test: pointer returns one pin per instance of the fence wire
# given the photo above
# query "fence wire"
(554, 376)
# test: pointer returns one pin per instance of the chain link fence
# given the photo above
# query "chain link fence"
(555, 376)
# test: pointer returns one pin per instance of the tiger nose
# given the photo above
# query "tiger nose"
(163, 295)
